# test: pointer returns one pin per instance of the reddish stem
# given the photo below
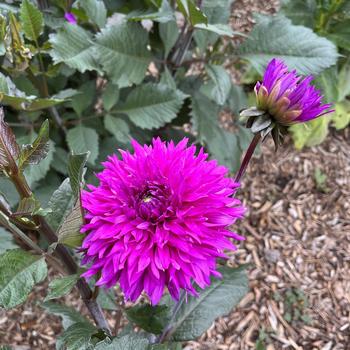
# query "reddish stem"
(247, 157)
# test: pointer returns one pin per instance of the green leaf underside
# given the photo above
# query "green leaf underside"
(60, 203)
(95, 10)
(76, 164)
(6, 241)
(197, 314)
(69, 232)
(19, 272)
(298, 46)
(60, 287)
(152, 105)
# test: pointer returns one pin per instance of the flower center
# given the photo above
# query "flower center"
(153, 201)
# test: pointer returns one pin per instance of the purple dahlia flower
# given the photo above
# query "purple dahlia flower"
(159, 218)
(69, 16)
(288, 98)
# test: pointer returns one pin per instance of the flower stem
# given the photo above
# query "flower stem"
(71, 267)
(247, 157)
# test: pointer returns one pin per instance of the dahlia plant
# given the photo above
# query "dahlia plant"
(144, 232)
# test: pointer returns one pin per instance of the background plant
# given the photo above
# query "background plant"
(127, 69)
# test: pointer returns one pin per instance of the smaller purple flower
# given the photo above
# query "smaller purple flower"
(69, 16)
(287, 97)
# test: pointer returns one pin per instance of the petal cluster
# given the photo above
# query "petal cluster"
(287, 97)
(159, 219)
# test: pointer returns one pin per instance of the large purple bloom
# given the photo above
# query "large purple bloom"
(159, 218)
(288, 98)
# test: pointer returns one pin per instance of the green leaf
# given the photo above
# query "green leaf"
(167, 79)
(301, 12)
(33, 153)
(222, 83)
(118, 127)
(218, 13)
(69, 232)
(106, 298)
(31, 20)
(122, 51)
(127, 342)
(61, 203)
(152, 105)
(299, 47)
(340, 34)
(220, 29)
(222, 145)
(164, 14)
(74, 46)
(197, 314)
(344, 81)
(237, 99)
(6, 241)
(327, 82)
(192, 12)
(62, 286)
(69, 315)
(36, 172)
(310, 133)
(85, 99)
(76, 164)
(95, 10)
(152, 319)
(169, 33)
(341, 116)
(60, 161)
(76, 337)
(19, 272)
(110, 96)
(9, 149)
(11, 96)
(81, 139)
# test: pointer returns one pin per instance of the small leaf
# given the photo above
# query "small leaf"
(76, 164)
(35, 152)
(31, 20)
(60, 287)
(9, 149)
(95, 10)
(61, 204)
(118, 127)
(299, 47)
(28, 206)
(19, 272)
(197, 314)
(169, 33)
(191, 11)
(82, 139)
(69, 233)
(106, 298)
(152, 105)
(69, 315)
(152, 319)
